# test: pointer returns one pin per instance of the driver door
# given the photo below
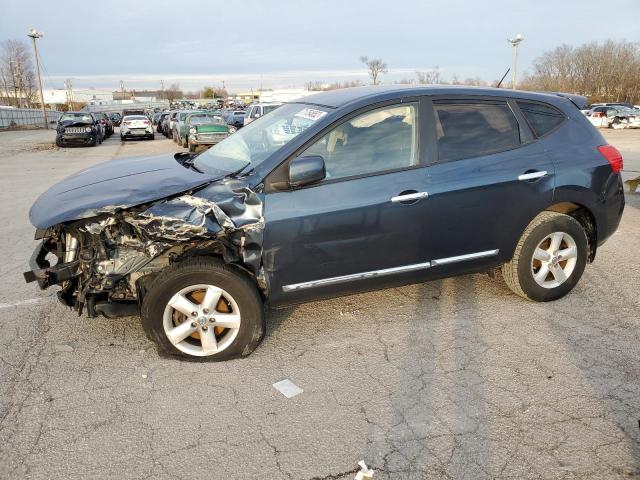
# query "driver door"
(350, 231)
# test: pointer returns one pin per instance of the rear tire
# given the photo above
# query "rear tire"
(549, 259)
(198, 276)
(192, 147)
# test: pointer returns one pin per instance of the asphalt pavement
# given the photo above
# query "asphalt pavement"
(454, 379)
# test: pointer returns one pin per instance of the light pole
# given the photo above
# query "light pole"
(515, 42)
(33, 33)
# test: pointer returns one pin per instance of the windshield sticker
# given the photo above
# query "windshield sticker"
(311, 114)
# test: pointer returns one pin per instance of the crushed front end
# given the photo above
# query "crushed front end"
(104, 263)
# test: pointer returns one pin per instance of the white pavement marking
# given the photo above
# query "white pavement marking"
(20, 303)
(287, 388)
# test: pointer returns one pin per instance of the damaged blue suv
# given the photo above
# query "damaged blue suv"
(343, 191)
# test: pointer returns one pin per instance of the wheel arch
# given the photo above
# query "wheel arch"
(585, 217)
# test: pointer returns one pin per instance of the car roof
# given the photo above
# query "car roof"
(346, 96)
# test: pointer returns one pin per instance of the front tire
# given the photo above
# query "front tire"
(549, 259)
(229, 313)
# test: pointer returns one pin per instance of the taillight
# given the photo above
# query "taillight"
(127, 123)
(597, 114)
(145, 122)
(613, 156)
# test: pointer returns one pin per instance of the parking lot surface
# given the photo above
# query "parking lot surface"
(457, 378)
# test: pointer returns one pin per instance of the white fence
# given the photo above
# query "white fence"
(25, 117)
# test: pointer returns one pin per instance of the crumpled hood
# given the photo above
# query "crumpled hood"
(115, 185)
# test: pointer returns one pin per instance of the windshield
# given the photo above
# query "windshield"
(76, 117)
(251, 145)
(205, 120)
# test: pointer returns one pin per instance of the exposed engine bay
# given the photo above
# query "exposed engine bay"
(104, 262)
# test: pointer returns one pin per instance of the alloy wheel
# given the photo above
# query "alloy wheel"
(554, 260)
(201, 320)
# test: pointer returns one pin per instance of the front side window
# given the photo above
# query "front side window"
(542, 118)
(465, 130)
(376, 141)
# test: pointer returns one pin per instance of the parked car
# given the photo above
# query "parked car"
(613, 117)
(106, 123)
(204, 129)
(235, 118)
(136, 126)
(133, 111)
(166, 122)
(257, 110)
(378, 187)
(78, 128)
(178, 127)
(116, 118)
(160, 123)
(171, 122)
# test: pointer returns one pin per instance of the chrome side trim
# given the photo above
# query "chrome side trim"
(462, 258)
(532, 175)
(355, 276)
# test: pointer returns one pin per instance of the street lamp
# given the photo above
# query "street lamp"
(515, 42)
(33, 33)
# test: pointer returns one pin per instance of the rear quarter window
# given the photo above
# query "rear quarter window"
(542, 118)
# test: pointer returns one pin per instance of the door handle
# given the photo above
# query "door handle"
(409, 197)
(532, 175)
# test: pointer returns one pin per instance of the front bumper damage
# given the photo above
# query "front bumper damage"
(46, 274)
(105, 262)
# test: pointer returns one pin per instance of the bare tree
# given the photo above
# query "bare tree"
(375, 66)
(17, 74)
(173, 92)
(430, 77)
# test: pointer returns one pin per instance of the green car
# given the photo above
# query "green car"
(204, 128)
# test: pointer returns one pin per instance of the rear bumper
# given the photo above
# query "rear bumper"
(134, 134)
(608, 212)
(42, 271)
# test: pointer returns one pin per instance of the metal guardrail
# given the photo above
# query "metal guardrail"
(25, 117)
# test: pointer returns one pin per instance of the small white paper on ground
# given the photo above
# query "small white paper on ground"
(287, 388)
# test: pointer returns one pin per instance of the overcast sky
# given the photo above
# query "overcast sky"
(280, 44)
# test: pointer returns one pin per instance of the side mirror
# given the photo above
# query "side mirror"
(306, 170)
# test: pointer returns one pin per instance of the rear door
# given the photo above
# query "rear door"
(490, 179)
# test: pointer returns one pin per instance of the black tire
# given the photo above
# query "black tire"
(518, 273)
(185, 143)
(122, 138)
(59, 143)
(94, 143)
(192, 147)
(212, 271)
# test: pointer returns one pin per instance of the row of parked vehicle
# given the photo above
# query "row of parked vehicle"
(614, 115)
(187, 127)
(202, 128)
(83, 128)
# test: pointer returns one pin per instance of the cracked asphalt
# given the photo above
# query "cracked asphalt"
(454, 379)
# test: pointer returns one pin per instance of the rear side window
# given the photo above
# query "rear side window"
(465, 130)
(542, 118)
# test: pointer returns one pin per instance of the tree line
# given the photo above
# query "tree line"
(605, 72)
